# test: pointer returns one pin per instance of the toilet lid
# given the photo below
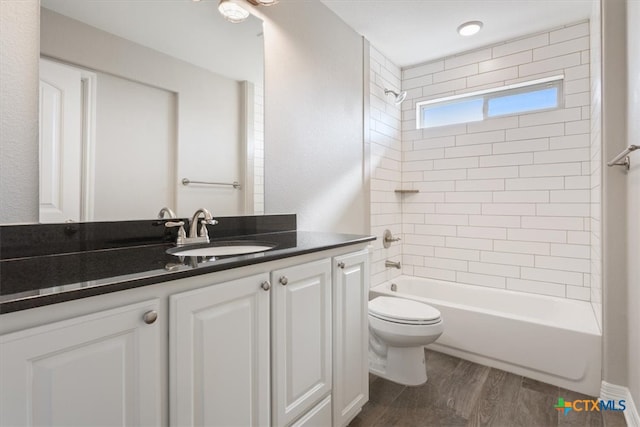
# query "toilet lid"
(402, 310)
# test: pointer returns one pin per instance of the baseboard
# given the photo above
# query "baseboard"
(616, 392)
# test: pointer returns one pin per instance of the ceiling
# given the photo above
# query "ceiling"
(410, 32)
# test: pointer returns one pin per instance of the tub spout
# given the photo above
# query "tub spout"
(392, 264)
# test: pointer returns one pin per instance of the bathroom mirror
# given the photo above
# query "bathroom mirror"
(137, 96)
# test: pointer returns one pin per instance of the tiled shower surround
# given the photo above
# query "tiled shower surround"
(386, 164)
(505, 202)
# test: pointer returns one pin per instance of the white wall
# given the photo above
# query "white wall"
(386, 164)
(19, 47)
(314, 161)
(258, 150)
(208, 108)
(504, 202)
(633, 201)
(595, 54)
(614, 195)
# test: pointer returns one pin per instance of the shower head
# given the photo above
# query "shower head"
(399, 96)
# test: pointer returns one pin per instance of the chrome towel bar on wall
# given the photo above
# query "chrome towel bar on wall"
(624, 155)
(234, 184)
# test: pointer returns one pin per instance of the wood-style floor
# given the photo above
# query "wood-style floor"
(462, 393)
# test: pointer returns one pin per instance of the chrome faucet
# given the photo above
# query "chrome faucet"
(170, 214)
(392, 264)
(194, 236)
(203, 235)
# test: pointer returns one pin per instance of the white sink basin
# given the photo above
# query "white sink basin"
(222, 249)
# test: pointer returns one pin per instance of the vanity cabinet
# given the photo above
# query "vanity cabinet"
(97, 369)
(350, 336)
(224, 336)
(219, 354)
(282, 343)
(301, 339)
(318, 416)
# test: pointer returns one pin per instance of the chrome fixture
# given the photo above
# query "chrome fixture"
(203, 235)
(235, 13)
(470, 28)
(170, 214)
(195, 236)
(399, 97)
(387, 238)
(150, 317)
(182, 235)
(392, 264)
(234, 184)
(625, 154)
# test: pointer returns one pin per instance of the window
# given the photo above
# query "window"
(537, 95)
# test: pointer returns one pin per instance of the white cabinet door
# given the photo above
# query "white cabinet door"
(301, 340)
(95, 370)
(350, 336)
(219, 354)
(319, 416)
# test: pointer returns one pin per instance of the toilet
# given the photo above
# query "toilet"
(398, 331)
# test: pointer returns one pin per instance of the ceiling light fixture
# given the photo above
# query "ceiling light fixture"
(232, 12)
(263, 2)
(469, 28)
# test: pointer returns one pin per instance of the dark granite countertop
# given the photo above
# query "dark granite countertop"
(53, 277)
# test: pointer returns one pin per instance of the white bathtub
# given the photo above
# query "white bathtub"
(550, 339)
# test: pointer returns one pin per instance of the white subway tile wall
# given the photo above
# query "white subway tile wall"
(386, 165)
(511, 202)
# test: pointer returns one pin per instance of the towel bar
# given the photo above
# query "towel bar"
(235, 184)
(625, 154)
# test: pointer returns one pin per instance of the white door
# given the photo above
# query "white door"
(350, 336)
(96, 370)
(60, 142)
(219, 354)
(301, 340)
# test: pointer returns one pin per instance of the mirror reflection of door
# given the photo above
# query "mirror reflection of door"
(135, 150)
(107, 166)
(61, 117)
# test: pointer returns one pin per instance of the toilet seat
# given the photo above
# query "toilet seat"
(403, 311)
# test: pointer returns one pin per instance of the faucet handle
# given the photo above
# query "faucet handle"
(182, 235)
(203, 230)
(171, 224)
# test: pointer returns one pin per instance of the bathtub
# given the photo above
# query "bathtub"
(550, 339)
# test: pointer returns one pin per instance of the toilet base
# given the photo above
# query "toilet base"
(403, 365)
